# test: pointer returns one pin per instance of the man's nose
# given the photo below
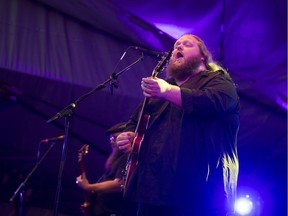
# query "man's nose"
(179, 47)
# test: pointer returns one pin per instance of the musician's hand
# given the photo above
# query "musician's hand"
(155, 87)
(124, 141)
(82, 182)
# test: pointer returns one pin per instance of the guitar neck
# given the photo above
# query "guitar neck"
(82, 153)
(139, 127)
(82, 167)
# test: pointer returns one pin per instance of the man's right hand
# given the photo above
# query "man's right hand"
(124, 141)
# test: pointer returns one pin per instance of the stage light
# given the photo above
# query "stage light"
(244, 205)
(173, 30)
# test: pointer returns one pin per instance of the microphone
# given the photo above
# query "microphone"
(52, 139)
(153, 53)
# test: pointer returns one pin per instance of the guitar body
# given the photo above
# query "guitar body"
(86, 207)
(141, 128)
(133, 157)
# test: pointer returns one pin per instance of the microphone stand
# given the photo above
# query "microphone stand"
(22, 185)
(67, 113)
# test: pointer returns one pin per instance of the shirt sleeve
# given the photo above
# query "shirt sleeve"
(215, 94)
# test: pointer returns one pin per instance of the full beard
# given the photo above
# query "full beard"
(185, 70)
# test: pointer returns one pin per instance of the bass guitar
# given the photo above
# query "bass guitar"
(142, 124)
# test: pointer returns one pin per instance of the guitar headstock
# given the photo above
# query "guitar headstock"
(82, 152)
(162, 63)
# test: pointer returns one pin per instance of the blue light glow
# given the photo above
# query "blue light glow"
(244, 205)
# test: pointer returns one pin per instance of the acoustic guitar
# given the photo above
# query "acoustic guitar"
(142, 124)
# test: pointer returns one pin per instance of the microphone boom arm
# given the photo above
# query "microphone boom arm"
(68, 110)
(23, 184)
(67, 113)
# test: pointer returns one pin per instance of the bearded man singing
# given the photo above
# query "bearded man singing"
(188, 163)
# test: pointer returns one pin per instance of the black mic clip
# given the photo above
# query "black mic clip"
(113, 82)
